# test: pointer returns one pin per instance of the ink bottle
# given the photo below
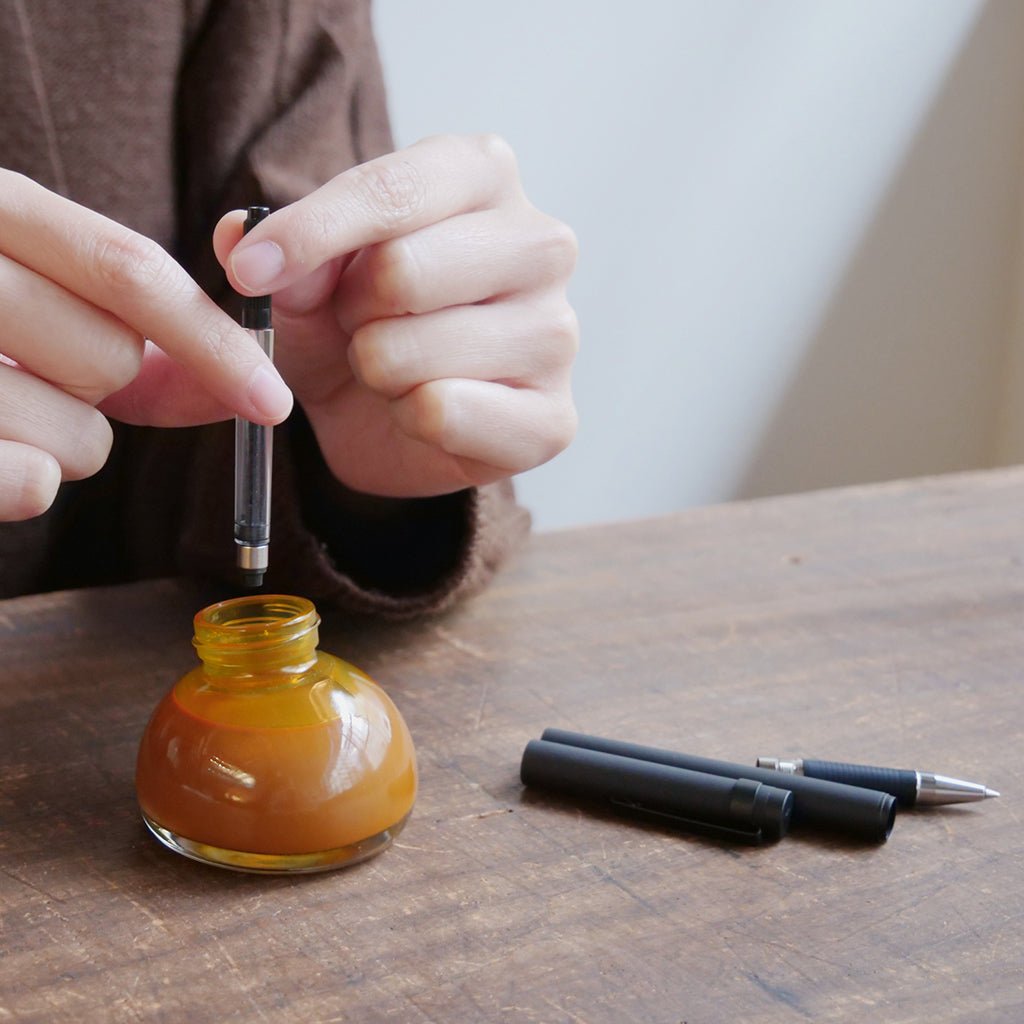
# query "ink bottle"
(272, 756)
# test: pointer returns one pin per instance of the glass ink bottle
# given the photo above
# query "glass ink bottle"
(272, 756)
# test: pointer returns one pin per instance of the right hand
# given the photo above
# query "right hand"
(100, 321)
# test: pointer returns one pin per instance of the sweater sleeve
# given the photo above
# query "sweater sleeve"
(274, 99)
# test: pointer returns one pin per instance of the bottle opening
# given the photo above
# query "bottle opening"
(257, 624)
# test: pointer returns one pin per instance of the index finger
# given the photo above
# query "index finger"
(132, 277)
(434, 179)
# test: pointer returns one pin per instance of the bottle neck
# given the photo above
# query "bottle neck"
(258, 637)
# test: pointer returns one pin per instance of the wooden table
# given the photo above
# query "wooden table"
(880, 624)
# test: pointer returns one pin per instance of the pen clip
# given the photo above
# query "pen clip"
(751, 837)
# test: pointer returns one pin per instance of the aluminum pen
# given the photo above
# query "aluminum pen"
(254, 445)
(911, 788)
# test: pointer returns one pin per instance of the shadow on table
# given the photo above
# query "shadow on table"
(600, 812)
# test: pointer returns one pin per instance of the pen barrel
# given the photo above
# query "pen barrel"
(254, 446)
(859, 813)
(694, 800)
(899, 782)
(253, 451)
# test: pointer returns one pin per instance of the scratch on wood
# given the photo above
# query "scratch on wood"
(460, 645)
(544, 697)
(562, 1009)
(237, 974)
(143, 909)
(485, 814)
(49, 897)
(519, 1011)
(805, 954)
(898, 912)
(227, 956)
(605, 875)
(157, 922)
(484, 686)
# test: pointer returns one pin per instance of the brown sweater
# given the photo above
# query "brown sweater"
(164, 115)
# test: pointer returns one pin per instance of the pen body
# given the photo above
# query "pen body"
(861, 813)
(254, 445)
(253, 455)
(736, 809)
(911, 788)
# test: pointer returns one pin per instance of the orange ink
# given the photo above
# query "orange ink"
(273, 756)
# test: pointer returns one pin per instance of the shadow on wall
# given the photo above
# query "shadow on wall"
(904, 374)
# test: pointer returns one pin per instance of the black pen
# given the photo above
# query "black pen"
(911, 788)
(859, 813)
(737, 809)
(253, 450)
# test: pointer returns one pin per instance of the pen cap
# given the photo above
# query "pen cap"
(861, 813)
(740, 808)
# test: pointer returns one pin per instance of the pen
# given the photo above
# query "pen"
(860, 813)
(739, 809)
(908, 786)
(254, 450)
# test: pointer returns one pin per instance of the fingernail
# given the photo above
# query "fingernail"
(257, 266)
(269, 395)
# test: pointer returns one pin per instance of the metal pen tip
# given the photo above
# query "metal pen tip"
(990, 792)
(252, 563)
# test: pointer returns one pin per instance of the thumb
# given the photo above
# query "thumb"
(301, 296)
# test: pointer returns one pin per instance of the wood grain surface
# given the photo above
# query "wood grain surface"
(879, 624)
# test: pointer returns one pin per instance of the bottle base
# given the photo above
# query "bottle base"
(275, 863)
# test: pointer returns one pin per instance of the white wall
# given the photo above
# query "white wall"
(798, 226)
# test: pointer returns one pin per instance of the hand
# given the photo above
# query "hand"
(421, 317)
(80, 294)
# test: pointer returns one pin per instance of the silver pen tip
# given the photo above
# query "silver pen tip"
(990, 792)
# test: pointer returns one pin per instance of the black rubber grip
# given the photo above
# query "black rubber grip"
(900, 782)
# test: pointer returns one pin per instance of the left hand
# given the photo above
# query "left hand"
(421, 316)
